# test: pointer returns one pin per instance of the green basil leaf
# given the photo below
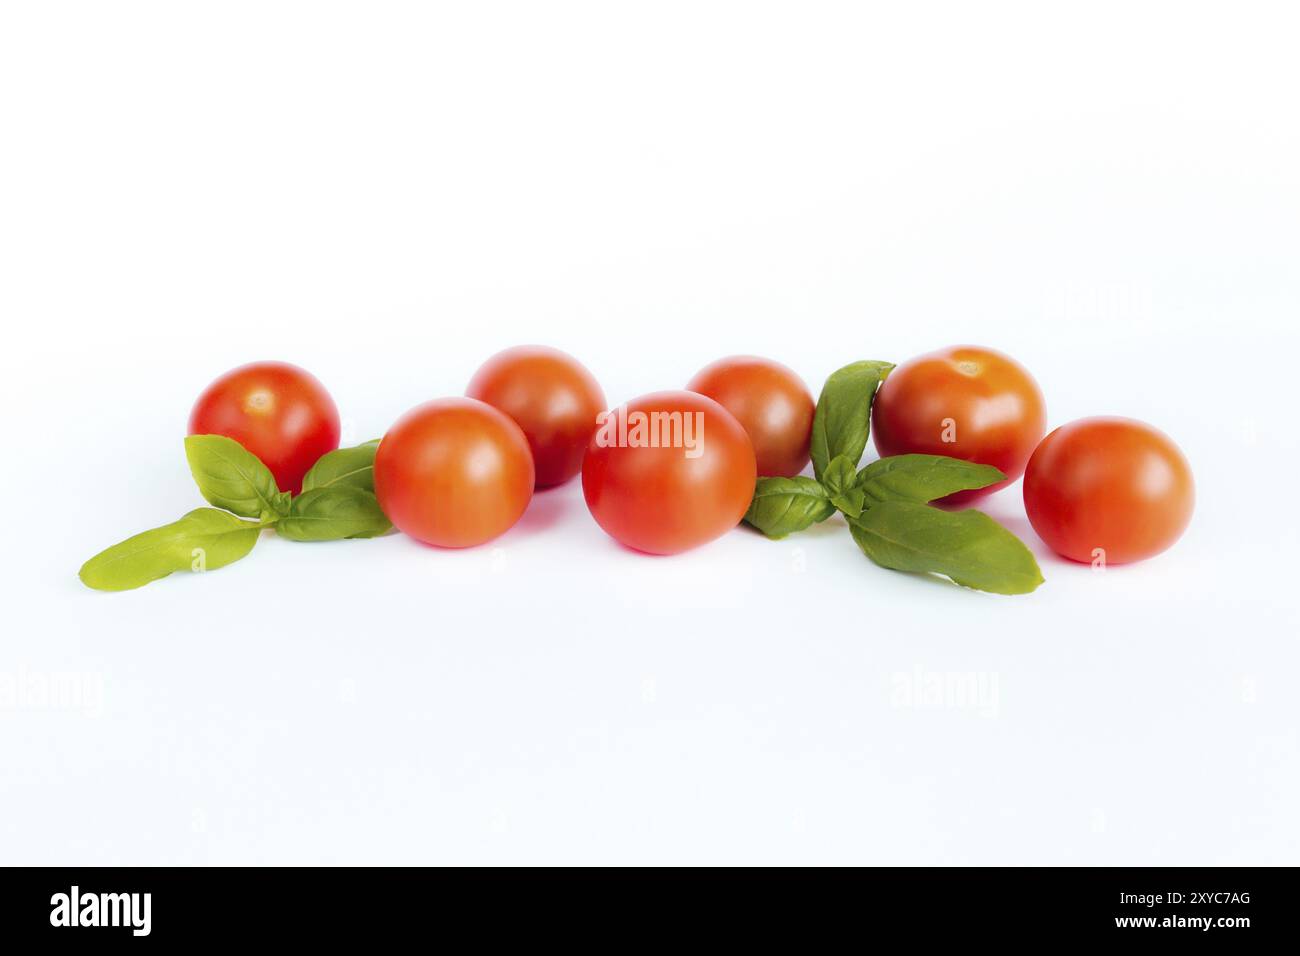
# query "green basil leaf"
(851, 502)
(784, 505)
(203, 540)
(840, 475)
(232, 477)
(923, 477)
(344, 466)
(328, 514)
(841, 483)
(967, 546)
(843, 417)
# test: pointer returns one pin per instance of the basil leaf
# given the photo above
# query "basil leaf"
(967, 546)
(843, 417)
(840, 475)
(328, 514)
(783, 505)
(851, 502)
(923, 477)
(841, 483)
(344, 466)
(203, 540)
(232, 477)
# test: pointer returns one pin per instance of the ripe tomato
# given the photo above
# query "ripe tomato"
(770, 401)
(669, 471)
(1113, 489)
(454, 472)
(964, 402)
(278, 411)
(552, 397)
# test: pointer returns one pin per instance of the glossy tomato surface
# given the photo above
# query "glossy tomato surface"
(278, 411)
(1109, 489)
(454, 472)
(965, 402)
(771, 403)
(672, 497)
(552, 397)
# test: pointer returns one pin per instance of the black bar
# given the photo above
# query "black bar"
(628, 907)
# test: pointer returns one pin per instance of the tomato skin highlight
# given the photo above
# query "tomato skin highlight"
(279, 412)
(1114, 484)
(552, 397)
(454, 472)
(986, 402)
(771, 403)
(660, 501)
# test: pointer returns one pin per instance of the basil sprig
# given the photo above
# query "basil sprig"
(338, 501)
(886, 504)
(841, 482)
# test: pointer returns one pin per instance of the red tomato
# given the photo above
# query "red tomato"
(454, 472)
(964, 402)
(278, 411)
(669, 471)
(552, 397)
(770, 401)
(1110, 489)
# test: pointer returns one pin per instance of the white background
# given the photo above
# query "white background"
(387, 194)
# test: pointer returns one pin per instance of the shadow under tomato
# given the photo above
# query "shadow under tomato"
(544, 512)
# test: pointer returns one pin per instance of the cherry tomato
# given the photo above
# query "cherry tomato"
(552, 397)
(1109, 489)
(668, 472)
(454, 472)
(770, 401)
(964, 402)
(278, 411)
